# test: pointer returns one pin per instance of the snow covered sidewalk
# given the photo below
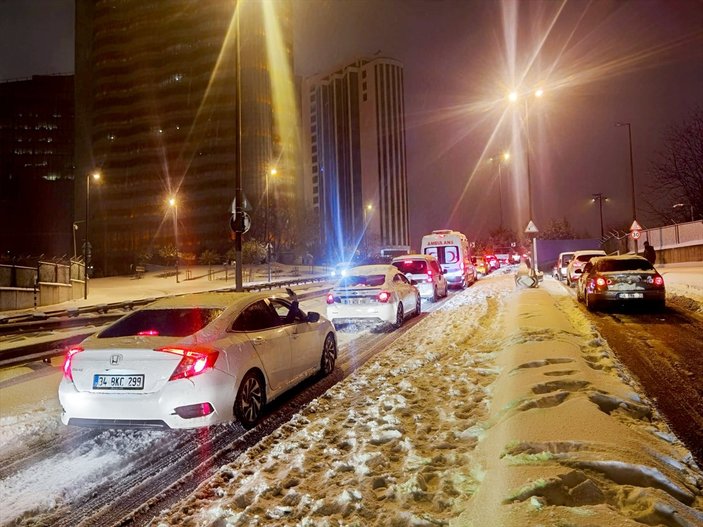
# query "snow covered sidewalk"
(504, 408)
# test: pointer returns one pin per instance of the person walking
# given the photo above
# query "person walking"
(649, 253)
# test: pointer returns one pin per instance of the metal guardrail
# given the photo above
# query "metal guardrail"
(128, 305)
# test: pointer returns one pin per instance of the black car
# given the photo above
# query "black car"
(626, 279)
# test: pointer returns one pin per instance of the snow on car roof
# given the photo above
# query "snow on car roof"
(213, 299)
(371, 269)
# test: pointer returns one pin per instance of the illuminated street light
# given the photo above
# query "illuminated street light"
(174, 205)
(273, 172)
(632, 176)
(87, 252)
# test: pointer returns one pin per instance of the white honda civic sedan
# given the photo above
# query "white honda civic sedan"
(195, 360)
(373, 293)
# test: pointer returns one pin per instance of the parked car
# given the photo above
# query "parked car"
(624, 279)
(424, 272)
(562, 262)
(481, 265)
(580, 259)
(380, 294)
(194, 360)
(507, 255)
(493, 262)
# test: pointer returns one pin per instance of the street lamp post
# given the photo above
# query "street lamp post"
(367, 210)
(679, 205)
(174, 205)
(86, 246)
(272, 172)
(513, 98)
(632, 175)
(503, 158)
(598, 196)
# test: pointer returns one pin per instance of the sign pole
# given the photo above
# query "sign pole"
(238, 162)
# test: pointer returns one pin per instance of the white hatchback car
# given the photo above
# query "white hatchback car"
(373, 293)
(194, 360)
(424, 272)
(578, 261)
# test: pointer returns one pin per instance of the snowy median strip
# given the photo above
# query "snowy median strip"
(485, 413)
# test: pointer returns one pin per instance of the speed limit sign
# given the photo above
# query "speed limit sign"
(636, 234)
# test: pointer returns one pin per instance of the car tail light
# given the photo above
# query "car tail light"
(149, 333)
(601, 282)
(330, 298)
(384, 296)
(192, 362)
(68, 361)
(658, 281)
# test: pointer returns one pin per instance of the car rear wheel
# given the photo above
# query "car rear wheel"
(418, 305)
(399, 316)
(250, 400)
(590, 304)
(435, 294)
(329, 355)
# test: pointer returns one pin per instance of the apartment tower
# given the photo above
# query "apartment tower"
(356, 164)
(156, 96)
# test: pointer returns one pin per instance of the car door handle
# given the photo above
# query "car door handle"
(257, 340)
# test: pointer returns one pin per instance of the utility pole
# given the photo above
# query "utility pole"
(598, 196)
(238, 194)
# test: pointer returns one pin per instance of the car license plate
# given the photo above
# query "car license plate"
(118, 382)
(631, 295)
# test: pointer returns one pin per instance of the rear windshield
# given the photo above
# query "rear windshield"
(412, 266)
(446, 254)
(586, 257)
(162, 322)
(608, 266)
(372, 280)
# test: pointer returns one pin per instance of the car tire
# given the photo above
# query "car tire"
(418, 306)
(399, 316)
(435, 294)
(590, 304)
(250, 400)
(329, 355)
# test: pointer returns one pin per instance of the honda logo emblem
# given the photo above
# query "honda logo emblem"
(115, 360)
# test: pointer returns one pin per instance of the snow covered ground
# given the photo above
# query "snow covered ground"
(503, 408)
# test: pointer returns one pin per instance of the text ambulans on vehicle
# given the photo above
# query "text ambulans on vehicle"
(451, 248)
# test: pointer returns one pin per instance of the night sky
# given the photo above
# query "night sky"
(599, 62)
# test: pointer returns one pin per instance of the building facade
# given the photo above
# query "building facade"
(36, 167)
(157, 89)
(356, 176)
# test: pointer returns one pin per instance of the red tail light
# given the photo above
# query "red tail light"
(601, 282)
(68, 361)
(658, 281)
(330, 298)
(384, 296)
(192, 362)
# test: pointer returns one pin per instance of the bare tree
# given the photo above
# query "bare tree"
(677, 172)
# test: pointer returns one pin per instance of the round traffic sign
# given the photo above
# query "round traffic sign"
(636, 234)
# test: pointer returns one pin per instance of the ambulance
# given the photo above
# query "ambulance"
(451, 248)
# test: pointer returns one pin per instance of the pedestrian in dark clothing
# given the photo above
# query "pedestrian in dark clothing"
(649, 253)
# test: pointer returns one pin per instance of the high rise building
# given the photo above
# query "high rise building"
(36, 167)
(356, 164)
(156, 92)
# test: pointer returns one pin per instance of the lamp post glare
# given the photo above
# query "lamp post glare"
(632, 175)
(174, 205)
(87, 253)
(367, 212)
(272, 172)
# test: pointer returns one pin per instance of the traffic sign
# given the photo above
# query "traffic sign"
(635, 234)
(243, 225)
(635, 226)
(531, 228)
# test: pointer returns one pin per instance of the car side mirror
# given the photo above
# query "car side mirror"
(313, 316)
